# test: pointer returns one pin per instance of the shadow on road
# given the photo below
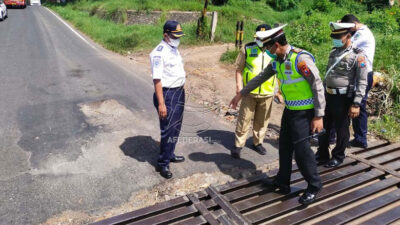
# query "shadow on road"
(141, 148)
(236, 168)
(222, 137)
(227, 138)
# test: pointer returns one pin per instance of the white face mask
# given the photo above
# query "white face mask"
(174, 42)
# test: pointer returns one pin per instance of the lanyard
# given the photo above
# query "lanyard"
(337, 61)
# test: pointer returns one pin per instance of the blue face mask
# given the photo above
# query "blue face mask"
(337, 43)
(273, 56)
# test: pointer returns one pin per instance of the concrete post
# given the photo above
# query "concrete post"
(214, 21)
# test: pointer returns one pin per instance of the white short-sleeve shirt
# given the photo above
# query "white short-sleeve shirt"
(167, 66)
(364, 40)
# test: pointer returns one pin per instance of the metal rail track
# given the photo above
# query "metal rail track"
(365, 189)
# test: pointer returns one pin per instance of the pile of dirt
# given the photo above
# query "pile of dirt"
(379, 101)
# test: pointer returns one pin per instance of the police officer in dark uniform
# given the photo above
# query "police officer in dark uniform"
(303, 93)
(345, 83)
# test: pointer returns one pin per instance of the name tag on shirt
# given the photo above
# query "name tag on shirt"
(288, 68)
(254, 52)
(156, 61)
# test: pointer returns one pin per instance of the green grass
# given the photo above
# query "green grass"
(387, 126)
(229, 56)
(307, 28)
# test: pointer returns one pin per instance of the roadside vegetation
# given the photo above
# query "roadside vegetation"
(104, 21)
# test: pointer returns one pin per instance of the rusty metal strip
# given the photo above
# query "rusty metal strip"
(373, 153)
(224, 220)
(145, 212)
(373, 145)
(265, 214)
(202, 209)
(226, 206)
(377, 166)
(387, 217)
(363, 209)
(337, 202)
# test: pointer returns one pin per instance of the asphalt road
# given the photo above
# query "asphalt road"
(55, 155)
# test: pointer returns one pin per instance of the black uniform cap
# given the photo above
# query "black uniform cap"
(174, 28)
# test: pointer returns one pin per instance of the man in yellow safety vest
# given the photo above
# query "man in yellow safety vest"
(256, 106)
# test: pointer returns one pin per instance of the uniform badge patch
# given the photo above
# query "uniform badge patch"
(288, 68)
(304, 68)
(274, 66)
(254, 52)
(361, 62)
(160, 48)
(356, 36)
(156, 61)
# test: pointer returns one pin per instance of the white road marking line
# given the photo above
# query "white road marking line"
(72, 29)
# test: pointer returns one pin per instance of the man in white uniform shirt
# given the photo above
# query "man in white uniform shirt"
(169, 98)
(363, 39)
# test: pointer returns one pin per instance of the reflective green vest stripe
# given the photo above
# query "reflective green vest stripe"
(295, 89)
(256, 61)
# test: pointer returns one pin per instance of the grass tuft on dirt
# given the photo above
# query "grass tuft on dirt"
(229, 56)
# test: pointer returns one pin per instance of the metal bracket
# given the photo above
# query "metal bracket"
(218, 198)
(377, 166)
(202, 209)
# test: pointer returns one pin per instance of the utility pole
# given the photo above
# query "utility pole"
(201, 22)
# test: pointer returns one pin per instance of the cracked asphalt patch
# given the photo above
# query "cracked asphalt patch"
(52, 129)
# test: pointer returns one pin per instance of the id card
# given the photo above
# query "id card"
(288, 68)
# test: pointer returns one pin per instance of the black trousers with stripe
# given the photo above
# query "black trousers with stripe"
(296, 125)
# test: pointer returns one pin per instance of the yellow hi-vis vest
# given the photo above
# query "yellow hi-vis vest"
(256, 61)
(294, 88)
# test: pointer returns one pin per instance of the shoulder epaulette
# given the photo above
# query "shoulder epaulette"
(357, 50)
(297, 50)
(160, 48)
(250, 44)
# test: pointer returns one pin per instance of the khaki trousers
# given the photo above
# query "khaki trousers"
(254, 107)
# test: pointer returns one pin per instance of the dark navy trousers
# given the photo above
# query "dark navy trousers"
(360, 123)
(171, 126)
(295, 125)
(337, 116)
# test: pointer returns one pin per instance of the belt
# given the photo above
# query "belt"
(336, 91)
(171, 89)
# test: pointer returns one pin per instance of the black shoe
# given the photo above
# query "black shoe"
(164, 171)
(355, 143)
(308, 197)
(271, 183)
(320, 159)
(333, 163)
(260, 149)
(177, 159)
(235, 153)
